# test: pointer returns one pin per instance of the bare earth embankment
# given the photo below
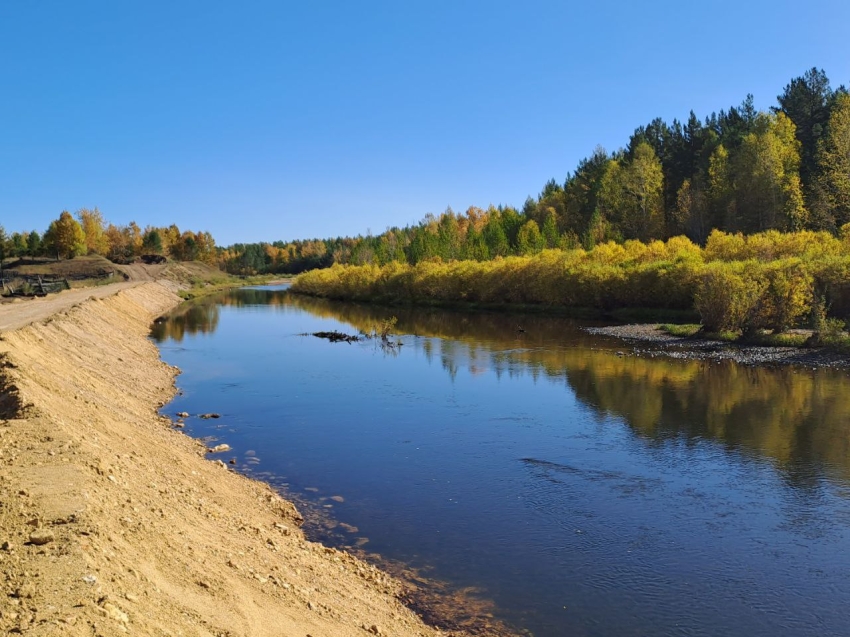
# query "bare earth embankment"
(112, 522)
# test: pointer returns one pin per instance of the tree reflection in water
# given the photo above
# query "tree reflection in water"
(798, 418)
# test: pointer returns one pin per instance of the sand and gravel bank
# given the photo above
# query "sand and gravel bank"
(112, 522)
(651, 341)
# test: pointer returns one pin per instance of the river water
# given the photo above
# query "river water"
(581, 489)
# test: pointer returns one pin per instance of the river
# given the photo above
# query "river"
(566, 485)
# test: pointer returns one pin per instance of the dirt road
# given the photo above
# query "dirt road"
(23, 311)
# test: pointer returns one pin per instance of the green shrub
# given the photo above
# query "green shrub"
(786, 296)
(724, 298)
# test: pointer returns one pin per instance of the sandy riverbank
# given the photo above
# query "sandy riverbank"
(112, 522)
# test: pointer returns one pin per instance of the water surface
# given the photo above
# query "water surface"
(584, 490)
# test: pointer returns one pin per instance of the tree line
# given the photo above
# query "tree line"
(736, 283)
(86, 232)
(737, 170)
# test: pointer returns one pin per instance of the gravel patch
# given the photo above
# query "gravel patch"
(650, 341)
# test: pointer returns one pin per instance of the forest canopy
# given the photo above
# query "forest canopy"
(736, 170)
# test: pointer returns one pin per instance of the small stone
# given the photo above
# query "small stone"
(27, 591)
(232, 461)
(41, 537)
(182, 414)
(204, 584)
(221, 464)
(374, 629)
(131, 597)
(219, 448)
(179, 424)
(208, 416)
(7, 546)
(311, 606)
(90, 579)
(116, 613)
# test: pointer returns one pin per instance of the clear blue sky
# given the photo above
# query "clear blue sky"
(284, 120)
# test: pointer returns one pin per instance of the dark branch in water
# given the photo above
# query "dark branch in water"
(336, 337)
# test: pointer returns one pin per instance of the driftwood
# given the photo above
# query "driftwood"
(337, 337)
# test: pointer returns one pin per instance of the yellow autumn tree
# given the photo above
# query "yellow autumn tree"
(65, 237)
(170, 238)
(135, 237)
(117, 249)
(93, 228)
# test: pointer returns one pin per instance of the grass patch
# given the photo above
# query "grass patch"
(684, 330)
(830, 334)
(692, 330)
(727, 336)
(840, 342)
(781, 339)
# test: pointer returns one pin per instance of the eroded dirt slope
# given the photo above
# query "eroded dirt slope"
(112, 522)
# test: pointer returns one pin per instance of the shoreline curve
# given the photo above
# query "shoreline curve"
(113, 522)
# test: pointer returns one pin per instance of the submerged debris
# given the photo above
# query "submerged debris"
(336, 337)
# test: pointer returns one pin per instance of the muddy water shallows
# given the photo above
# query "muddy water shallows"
(579, 489)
